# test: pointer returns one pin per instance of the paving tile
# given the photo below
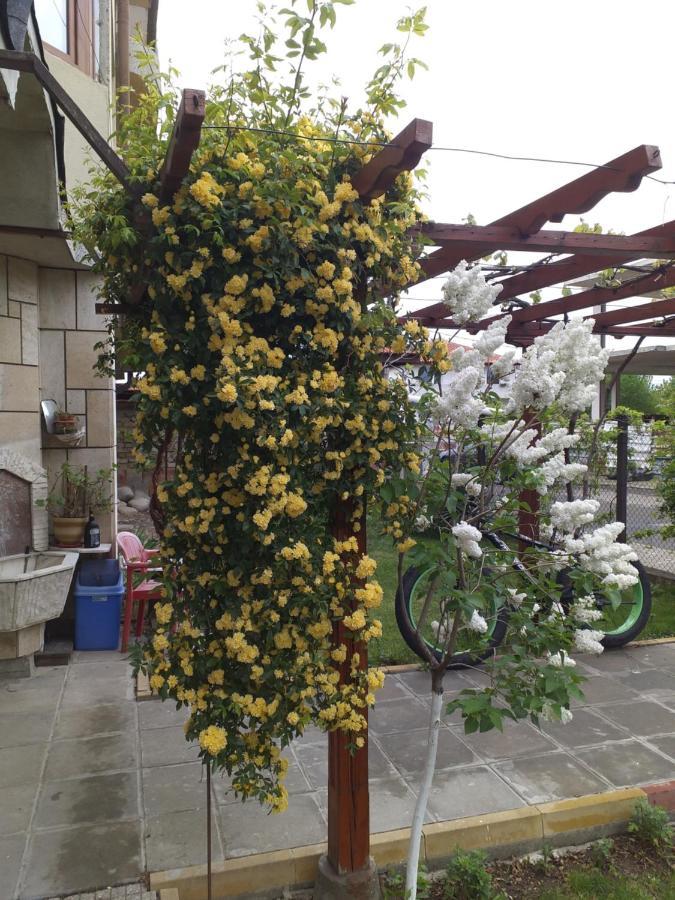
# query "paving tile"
(91, 720)
(82, 859)
(456, 793)
(419, 682)
(641, 718)
(585, 729)
(37, 694)
(97, 798)
(407, 750)
(16, 808)
(554, 776)
(88, 756)
(178, 839)
(158, 714)
(654, 656)
(665, 743)
(248, 828)
(393, 689)
(174, 788)
(313, 759)
(517, 739)
(21, 765)
(97, 691)
(164, 746)
(601, 689)
(392, 804)
(610, 661)
(650, 682)
(628, 764)
(24, 728)
(81, 657)
(11, 853)
(398, 715)
(106, 669)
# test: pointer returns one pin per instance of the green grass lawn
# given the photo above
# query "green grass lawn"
(592, 884)
(390, 648)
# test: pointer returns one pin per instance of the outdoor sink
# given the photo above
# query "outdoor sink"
(33, 587)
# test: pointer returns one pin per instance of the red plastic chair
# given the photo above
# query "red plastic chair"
(137, 559)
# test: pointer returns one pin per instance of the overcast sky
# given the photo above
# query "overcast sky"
(586, 80)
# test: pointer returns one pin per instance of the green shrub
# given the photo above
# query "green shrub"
(601, 853)
(466, 877)
(650, 824)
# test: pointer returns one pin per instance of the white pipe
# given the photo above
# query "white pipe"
(423, 796)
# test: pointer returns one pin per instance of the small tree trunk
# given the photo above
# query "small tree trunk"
(425, 787)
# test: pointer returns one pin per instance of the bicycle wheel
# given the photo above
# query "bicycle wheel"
(408, 606)
(624, 624)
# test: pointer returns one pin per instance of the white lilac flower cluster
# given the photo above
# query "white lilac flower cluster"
(468, 538)
(548, 714)
(588, 641)
(598, 552)
(570, 515)
(584, 610)
(563, 366)
(477, 623)
(560, 659)
(492, 337)
(469, 482)
(459, 403)
(468, 294)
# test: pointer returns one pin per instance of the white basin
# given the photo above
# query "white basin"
(34, 587)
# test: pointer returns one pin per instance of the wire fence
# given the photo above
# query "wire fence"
(629, 491)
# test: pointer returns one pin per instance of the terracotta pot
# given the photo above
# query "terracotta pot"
(64, 424)
(69, 532)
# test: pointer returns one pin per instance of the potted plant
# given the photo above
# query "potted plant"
(75, 493)
(65, 423)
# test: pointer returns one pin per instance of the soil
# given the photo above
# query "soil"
(530, 879)
(140, 524)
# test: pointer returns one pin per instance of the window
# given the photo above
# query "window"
(69, 29)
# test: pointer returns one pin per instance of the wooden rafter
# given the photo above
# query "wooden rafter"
(484, 237)
(184, 141)
(636, 314)
(574, 267)
(401, 154)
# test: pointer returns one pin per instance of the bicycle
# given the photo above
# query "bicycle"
(620, 624)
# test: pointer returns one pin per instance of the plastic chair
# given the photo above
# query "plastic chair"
(136, 559)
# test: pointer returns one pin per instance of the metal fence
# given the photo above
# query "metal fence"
(629, 492)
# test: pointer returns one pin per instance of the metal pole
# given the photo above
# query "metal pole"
(622, 474)
(208, 829)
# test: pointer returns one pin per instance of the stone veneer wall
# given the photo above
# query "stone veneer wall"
(48, 329)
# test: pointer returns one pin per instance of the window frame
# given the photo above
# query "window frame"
(80, 33)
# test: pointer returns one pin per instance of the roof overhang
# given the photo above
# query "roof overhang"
(647, 361)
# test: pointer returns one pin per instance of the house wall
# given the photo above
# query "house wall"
(48, 329)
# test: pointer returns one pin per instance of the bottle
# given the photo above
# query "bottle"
(92, 532)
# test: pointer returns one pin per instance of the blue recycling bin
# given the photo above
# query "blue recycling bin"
(99, 589)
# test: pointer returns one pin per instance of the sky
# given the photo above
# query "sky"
(583, 81)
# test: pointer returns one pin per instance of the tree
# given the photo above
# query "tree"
(637, 392)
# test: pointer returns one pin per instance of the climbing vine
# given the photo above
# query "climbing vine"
(259, 342)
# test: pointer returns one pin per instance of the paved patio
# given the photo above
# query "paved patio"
(98, 788)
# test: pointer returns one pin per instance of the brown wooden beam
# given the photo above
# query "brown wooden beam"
(507, 237)
(400, 155)
(183, 142)
(574, 267)
(636, 314)
(29, 62)
(621, 174)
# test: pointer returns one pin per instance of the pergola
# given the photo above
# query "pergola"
(347, 870)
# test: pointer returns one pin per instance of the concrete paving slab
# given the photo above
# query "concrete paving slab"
(89, 721)
(248, 828)
(614, 661)
(419, 682)
(456, 793)
(11, 854)
(653, 656)
(89, 756)
(95, 799)
(517, 739)
(628, 764)
(313, 759)
(601, 689)
(163, 746)
(585, 729)
(178, 839)
(25, 728)
(158, 714)
(650, 683)
(174, 788)
(398, 715)
(97, 691)
(21, 765)
(641, 718)
(554, 776)
(82, 859)
(105, 669)
(393, 689)
(665, 743)
(392, 803)
(406, 750)
(295, 782)
(37, 694)
(80, 657)
(16, 808)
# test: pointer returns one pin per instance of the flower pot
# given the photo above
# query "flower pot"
(65, 424)
(69, 531)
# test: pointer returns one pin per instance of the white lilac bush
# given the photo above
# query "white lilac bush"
(487, 449)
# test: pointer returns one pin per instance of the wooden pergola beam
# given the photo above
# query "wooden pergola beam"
(401, 154)
(183, 142)
(484, 237)
(574, 267)
(635, 314)
(621, 174)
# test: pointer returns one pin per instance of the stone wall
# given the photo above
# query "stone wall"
(48, 329)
